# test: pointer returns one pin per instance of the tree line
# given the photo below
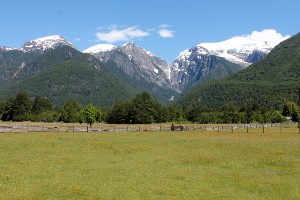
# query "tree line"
(22, 108)
(142, 109)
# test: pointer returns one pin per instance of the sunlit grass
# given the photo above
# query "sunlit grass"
(151, 165)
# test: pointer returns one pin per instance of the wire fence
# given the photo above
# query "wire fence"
(15, 128)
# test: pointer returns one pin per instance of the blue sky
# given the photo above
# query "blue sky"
(163, 27)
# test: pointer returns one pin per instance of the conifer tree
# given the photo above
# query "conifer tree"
(21, 107)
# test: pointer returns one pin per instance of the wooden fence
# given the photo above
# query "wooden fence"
(131, 128)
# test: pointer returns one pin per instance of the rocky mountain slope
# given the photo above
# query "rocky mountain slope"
(139, 67)
(198, 65)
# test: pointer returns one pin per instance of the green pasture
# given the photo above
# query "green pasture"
(151, 165)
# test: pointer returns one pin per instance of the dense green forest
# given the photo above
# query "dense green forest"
(142, 109)
(63, 73)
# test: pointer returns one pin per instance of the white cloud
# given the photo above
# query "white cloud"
(165, 33)
(77, 39)
(255, 40)
(270, 35)
(116, 35)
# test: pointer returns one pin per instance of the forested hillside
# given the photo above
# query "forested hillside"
(64, 73)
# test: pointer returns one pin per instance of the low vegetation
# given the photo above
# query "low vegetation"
(151, 165)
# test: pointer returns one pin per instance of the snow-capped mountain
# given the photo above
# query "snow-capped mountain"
(197, 65)
(135, 61)
(247, 49)
(238, 49)
(44, 43)
(138, 67)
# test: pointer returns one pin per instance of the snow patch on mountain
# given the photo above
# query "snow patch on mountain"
(99, 48)
(131, 45)
(4, 48)
(44, 43)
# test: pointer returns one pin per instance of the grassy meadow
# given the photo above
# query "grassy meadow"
(151, 165)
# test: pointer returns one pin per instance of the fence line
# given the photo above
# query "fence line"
(135, 128)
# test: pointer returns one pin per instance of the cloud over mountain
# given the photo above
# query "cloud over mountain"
(117, 35)
(165, 33)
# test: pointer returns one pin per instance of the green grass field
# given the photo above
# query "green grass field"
(151, 165)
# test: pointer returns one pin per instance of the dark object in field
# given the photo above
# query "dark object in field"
(176, 128)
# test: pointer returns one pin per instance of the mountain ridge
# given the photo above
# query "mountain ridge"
(138, 68)
(266, 84)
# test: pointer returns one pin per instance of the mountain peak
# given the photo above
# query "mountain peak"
(43, 43)
(196, 49)
(131, 46)
(99, 48)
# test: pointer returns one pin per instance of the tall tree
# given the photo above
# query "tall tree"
(90, 115)
(70, 111)
(7, 110)
(40, 105)
(118, 114)
(290, 109)
(21, 107)
(144, 109)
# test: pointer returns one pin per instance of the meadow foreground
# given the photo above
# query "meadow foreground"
(151, 165)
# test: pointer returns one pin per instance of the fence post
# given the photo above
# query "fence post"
(160, 128)
(205, 128)
(247, 129)
(87, 128)
(73, 128)
(218, 128)
(280, 128)
(231, 129)
(263, 128)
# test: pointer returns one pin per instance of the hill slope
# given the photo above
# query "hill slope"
(13, 61)
(268, 83)
(64, 73)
